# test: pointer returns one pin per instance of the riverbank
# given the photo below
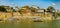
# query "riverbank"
(26, 17)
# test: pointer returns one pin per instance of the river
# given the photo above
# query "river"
(52, 24)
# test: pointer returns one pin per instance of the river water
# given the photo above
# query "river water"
(52, 24)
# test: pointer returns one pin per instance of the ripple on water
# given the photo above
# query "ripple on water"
(28, 24)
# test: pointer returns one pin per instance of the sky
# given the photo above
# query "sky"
(40, 3)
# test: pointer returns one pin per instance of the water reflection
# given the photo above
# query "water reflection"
(52, 24)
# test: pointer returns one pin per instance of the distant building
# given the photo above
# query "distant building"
(40, 11)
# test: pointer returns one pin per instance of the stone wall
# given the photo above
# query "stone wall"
(8, 15)
(5, 15)
(18, 15)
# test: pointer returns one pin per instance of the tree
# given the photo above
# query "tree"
(53, 11)
(2, 9)
(13, 9)
(50, 9)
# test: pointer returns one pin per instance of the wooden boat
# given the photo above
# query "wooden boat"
(37, 20)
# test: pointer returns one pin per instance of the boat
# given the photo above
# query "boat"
(37, 20)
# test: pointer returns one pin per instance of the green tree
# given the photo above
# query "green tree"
(2, 9)
(53, 11)
(50, 9)
(13, 9)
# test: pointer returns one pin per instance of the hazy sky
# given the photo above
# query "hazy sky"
(40, 3)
